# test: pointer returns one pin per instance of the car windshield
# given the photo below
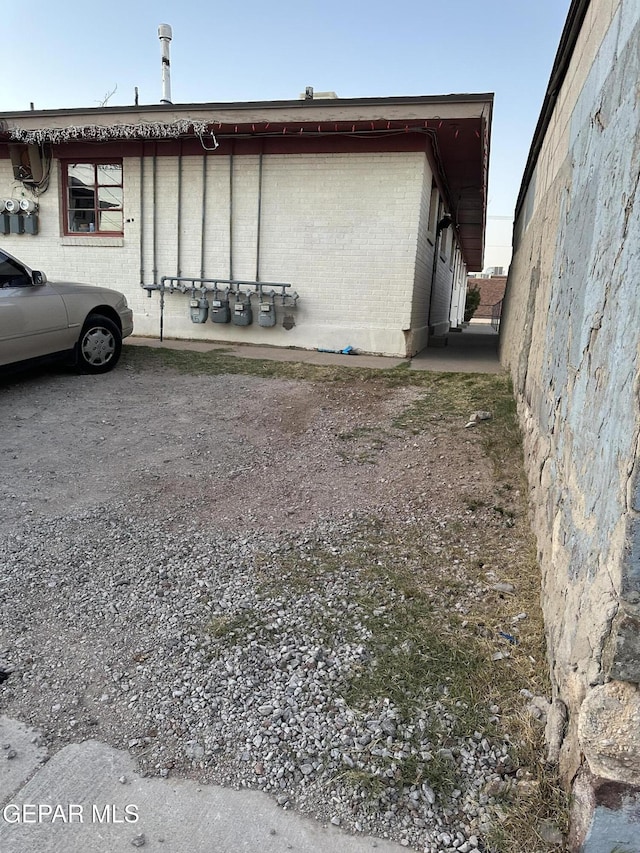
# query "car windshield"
(12, 274)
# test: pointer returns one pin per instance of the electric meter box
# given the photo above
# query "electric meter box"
(267, 315)
(4, 223)
(242, 314)
(16, 223)
(219, 311)
(31, 224)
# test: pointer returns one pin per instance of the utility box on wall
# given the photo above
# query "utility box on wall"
(26, 162)
(16, 223)
(30, 224)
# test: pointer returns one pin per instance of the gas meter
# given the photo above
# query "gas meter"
(219, 310)
(267, 315)
(242, 312)
(199, 308)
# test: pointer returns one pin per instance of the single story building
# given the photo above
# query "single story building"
(313, 223)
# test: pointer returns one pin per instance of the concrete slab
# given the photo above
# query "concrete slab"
(98, 812)
(473, 350)
(22, 751)
(156, 343)
(378, 362)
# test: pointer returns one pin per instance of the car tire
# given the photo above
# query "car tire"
(99, 345)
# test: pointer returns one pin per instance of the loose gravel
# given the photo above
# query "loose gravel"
(182, 575)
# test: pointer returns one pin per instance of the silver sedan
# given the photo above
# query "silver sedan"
(42, 320)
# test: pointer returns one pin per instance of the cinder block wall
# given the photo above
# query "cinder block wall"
(341, 228)
(570, 337)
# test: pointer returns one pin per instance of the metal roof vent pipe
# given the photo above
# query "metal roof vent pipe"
(165, 35)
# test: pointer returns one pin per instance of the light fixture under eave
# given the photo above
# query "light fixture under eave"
(445, 222)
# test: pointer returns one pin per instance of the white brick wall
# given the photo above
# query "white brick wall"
(442, 295)
(423, 269)
(341, 228)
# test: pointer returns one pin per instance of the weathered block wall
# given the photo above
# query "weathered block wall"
(571, 339)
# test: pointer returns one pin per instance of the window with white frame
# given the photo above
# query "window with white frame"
(92, 197)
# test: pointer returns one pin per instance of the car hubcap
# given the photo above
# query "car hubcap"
(98, 346)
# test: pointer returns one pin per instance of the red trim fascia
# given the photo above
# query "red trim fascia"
(281, 144)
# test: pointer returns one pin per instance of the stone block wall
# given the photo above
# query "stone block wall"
(571, 340)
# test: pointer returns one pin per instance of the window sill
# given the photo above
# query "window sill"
(93, 240)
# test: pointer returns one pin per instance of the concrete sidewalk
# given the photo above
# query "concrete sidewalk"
(474, 350)
(88, 798)
(272, 353)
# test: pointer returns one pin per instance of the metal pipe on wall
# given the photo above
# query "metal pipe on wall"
(142, 218)
(154, 174)
(231, 212)
(154, 229)
(204, 213)
(179, 216)
(259, 217)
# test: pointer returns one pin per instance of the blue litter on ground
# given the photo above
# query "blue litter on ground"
(345, 351)
(508, 637)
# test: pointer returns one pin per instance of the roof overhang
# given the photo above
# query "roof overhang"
(454, 130)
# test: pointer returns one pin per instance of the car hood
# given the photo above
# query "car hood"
(65, 288)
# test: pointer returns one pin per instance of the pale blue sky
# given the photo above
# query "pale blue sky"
(66, 54)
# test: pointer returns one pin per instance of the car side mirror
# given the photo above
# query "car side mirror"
(38, 277)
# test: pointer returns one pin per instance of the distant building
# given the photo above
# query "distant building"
(491, 289)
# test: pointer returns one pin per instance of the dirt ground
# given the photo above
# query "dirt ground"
(239, 450)
(239, 457)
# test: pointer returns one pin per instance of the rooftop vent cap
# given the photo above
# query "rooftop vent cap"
(165, 35)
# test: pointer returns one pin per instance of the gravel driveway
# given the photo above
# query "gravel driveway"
(195, 568)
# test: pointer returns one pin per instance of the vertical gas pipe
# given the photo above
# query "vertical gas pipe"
(259, 217)
(204, 212)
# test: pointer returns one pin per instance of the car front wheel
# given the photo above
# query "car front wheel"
(99, 345)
